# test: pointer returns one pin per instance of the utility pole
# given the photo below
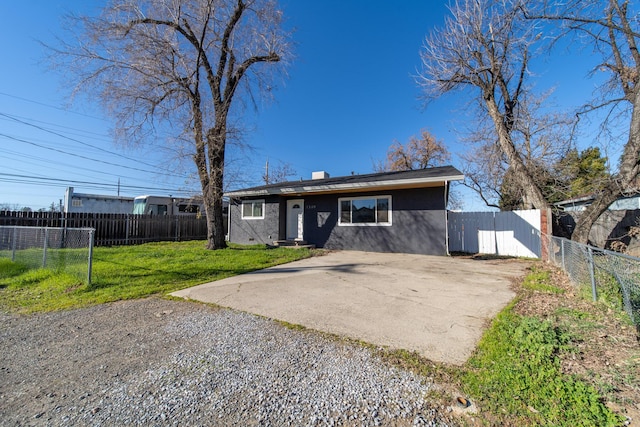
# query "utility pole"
(266, 174)
(118, 187)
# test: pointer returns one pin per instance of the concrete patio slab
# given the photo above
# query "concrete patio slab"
(437, 306)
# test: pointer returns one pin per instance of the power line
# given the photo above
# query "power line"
(78, 155)
(74, 140)
(49, 106)
(30, 122)
(5, 153)
(50, 181)
(88, 133)
(56, 108)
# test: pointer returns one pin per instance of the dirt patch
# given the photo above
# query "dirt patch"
(607, 351)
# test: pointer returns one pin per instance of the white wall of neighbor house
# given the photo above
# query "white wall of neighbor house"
(95, 203)
(514, 233)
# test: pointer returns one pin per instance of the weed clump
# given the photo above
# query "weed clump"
(516, 370)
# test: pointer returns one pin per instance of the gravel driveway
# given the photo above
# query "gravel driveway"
(161, 362)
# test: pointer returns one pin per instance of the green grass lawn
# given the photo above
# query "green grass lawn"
(127, 272)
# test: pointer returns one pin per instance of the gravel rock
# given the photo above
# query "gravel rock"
(160, 363)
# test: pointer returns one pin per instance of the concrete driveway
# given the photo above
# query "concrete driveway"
(437, 306)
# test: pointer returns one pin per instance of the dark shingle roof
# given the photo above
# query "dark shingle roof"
(417, 178)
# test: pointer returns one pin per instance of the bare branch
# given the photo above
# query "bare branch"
(613, 28)
(486, 46)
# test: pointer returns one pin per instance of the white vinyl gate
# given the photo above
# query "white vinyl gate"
(514, 233)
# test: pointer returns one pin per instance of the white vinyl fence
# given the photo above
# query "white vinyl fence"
(514, 233)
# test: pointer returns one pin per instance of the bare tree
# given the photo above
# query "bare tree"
(612, 28)
(184, 65)
(13, 207)
(486, 45)
(541, 138)
(278, 173)
(418, 153)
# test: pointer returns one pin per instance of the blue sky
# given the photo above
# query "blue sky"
(349, 95)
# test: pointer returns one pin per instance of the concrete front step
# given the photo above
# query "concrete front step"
(293, 244)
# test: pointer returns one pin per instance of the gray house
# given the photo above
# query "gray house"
(382, 212)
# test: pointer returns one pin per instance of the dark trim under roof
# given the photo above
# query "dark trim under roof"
(386, 180)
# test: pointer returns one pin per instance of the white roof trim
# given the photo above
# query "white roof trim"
(318, 188)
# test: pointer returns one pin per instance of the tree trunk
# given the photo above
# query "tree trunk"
(215, 225)
(592, 213)
(629, 169)
(216, 141)
(533, 196)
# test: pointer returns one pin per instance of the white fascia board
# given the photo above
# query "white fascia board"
(243, 193)
(343, 187)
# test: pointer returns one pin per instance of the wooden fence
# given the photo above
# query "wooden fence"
(116, 229)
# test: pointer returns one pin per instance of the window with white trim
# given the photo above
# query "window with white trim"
(253, 209)
(374, 210)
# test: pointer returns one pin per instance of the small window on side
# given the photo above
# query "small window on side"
(253, 209)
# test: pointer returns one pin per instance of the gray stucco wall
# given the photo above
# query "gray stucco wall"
(254, 231)
(418, 224)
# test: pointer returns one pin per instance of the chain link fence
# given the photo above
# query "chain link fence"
(609, 275)
(68, 250)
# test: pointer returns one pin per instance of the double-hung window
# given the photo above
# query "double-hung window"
(253, 209)
(374, 210)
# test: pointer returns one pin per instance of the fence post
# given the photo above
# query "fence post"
(594, 291)
(44, 250)
(564, 267)
(13, 244)
(127, 228)
(64, 231)
(90, 260)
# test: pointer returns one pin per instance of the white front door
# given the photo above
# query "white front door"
(295, 217)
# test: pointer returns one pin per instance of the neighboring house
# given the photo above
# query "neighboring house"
(614, 226)
(167, 205)
(95, 203)
(383, 212)
(579, 204)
